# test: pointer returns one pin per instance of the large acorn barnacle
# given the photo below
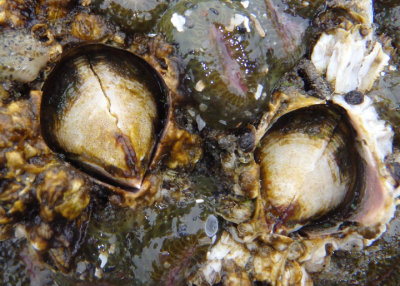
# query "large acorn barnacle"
(324, 173)
(319, 162)
(103, 108)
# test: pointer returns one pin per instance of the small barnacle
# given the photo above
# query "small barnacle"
(61, 192)
(13, 13)
(53, 10)
(89, 27)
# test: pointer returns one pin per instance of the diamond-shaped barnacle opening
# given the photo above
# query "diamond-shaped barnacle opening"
(320, 167)
(104, 110)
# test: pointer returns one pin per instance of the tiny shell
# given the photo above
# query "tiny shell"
(211, 226)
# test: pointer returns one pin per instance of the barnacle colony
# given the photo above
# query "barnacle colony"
(307, 178)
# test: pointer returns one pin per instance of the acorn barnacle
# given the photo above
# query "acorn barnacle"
(321, 161)
(103, 109)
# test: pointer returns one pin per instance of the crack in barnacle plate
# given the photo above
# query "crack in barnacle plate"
(199, 142)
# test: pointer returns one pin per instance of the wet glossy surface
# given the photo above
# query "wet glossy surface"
(167, 241)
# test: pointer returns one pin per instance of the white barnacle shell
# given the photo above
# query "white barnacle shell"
(350, 60)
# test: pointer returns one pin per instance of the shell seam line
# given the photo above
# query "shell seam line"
(105, 94)
(109, 107)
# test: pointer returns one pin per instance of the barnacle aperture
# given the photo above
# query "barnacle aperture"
(103, 109)
(309, 164)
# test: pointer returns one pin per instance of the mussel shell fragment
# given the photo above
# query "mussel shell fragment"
(104, 110)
